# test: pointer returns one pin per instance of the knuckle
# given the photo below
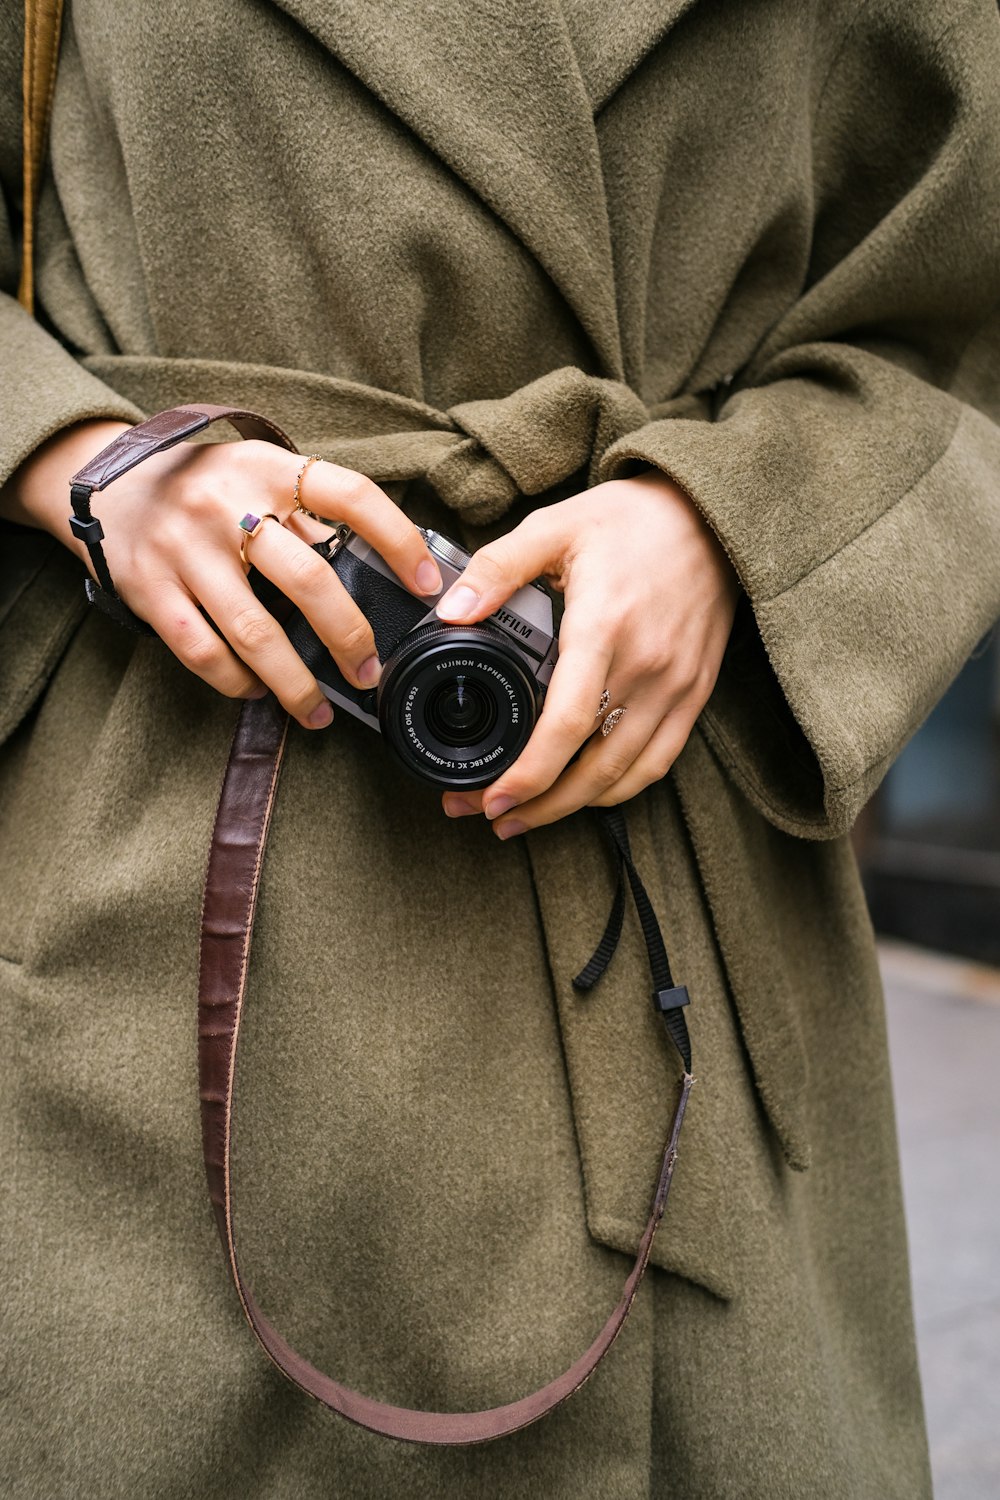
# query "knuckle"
(492, 564)
(614, 795)
(233, 687)
(198, 499)
(647, 658)
(524, 784)
(688, 674)
(685, 675)
(354, 489)
(356, 637)
(252, 629)
(614, 764)
(704, 682)
(575, 721)
(200, 654)
(255, 451)
(660, 764)
(299, 700)
(663, 757)
(310, 574)
(170, 540)
(536, 519)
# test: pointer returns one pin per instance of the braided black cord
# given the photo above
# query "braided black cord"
(668, 997)
(605, 950)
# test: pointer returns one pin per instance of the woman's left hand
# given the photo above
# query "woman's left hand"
(649, 602)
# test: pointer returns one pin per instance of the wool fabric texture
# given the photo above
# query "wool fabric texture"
(490, 254)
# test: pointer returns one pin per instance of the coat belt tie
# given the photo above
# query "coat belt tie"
(479, 456)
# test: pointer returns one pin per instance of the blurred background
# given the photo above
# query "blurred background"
(929, 848)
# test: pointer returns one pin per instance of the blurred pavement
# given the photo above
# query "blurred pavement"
(944, 1038)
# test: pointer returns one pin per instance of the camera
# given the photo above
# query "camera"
(456, 703)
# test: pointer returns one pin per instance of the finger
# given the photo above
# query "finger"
(462, 804)
(179, 623)
(603, 763)
(307, 528)
(256, 637)
(345, 495)
(500, 568)
(567, 719)
(310, 582)
(655, 759)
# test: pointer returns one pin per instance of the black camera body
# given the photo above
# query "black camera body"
(456, 703)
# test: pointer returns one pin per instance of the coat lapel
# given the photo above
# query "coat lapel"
(611, 41)
(495, 91)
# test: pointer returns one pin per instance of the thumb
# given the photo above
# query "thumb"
(498, 570)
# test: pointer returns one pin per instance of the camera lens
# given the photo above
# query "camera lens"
(457, 703)
(461, 712)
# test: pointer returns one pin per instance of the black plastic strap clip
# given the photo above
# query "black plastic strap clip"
(672, 998)
(89, 532)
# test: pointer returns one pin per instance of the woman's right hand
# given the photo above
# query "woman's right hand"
(172, 541)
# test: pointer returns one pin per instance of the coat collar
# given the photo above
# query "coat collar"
(611, 42)
(495, 90)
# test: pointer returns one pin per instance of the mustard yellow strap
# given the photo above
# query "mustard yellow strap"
(42, 27)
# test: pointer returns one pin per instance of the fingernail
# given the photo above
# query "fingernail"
(499, 806)
(369, 672)
(458, 807)
(458, 603)
(511, 830)
(428, 577)
(321, 716)
(258, 692)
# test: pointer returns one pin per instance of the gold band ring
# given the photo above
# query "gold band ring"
(614, 717)
(602, 706)
(249, 526)
(314, 458)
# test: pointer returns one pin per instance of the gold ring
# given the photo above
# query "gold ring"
(314, 458)
(605, 700)
(250, 525)
(614, 717)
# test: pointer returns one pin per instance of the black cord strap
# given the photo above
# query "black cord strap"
(668, 998)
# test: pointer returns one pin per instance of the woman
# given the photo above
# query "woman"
(687, 309)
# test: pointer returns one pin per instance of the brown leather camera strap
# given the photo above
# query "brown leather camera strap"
(234, 870)
(124, 452)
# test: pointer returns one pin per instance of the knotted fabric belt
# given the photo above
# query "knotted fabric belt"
(479, 456)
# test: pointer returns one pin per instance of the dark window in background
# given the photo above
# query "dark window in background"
(929, 842)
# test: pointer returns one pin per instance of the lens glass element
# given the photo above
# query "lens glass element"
(457, 703)
(461, 711)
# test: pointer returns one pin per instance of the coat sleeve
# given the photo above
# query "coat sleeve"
(43, 389)
(853, 472)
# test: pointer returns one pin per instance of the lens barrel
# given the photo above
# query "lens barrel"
(457, 704)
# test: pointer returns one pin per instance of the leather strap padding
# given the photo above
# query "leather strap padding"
(231, 887)
(164, 430)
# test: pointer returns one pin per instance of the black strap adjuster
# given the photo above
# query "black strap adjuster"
(672, 998)
(89, 532)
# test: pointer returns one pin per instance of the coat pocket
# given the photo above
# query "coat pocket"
(624, 1073)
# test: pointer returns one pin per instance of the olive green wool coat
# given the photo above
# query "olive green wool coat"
(488, 254)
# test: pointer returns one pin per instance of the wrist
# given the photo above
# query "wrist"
(655, 479)
(37, 493)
